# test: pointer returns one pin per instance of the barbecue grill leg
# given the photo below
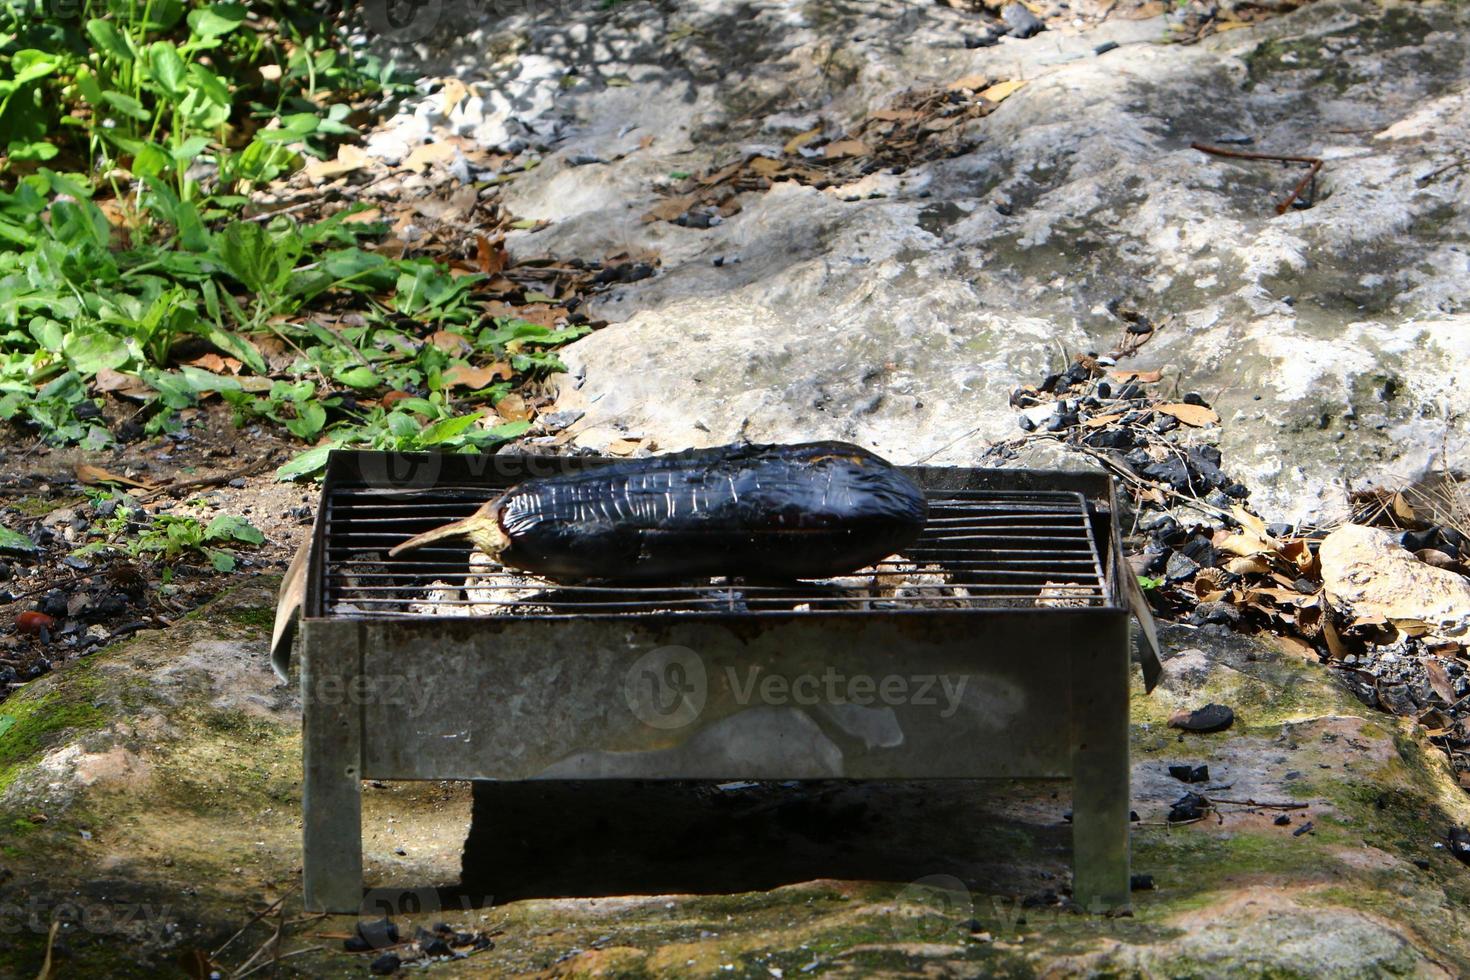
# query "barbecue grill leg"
(331, 794)
(1100, 880)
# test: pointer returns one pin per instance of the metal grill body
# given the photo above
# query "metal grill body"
(996, 646)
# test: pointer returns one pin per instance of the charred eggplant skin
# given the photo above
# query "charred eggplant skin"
(776, 512)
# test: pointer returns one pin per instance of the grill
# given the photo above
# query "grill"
(981, 549)
(1013, 604)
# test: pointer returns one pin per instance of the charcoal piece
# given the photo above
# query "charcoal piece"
(1237, 491)
(1193, 398)
(1172, 471)
(1139, 459)
(1141, 883)
(1110, 439)
(1305, 828)
(1458, 839)
(386, 965)
(1190, 774)
(1219, 612)
(1282, 821)
(1210, 718)
(372, 934)
(1166, 424)
(1190, 806)
(1027, 423)
(1060, 421)
(1201, 550)
(1105, 47)
(1180, 567)
(1130, 391)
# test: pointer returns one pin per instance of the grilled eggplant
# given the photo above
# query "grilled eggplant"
(778, 512)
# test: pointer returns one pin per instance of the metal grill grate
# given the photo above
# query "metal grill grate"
(981, 549)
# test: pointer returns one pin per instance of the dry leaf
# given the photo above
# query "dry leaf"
(1001, 91)
(940, 123)
(1253, 565)
(1097, 421)
(646, 141)
(453, 94)
(364, 217)
(1195, 415)
(894, 115)
(669, 208)
(845, 148)
(1142, 377)
(449, 342)
(1402, 509)
(627, 447)
(1335, 646)
(1244, 544)
(468, 376)
(970, 83)
(490, 256)
(124, 384)
(766, 167)
(1439, 679)
(1249, 521)
(215, 364)
(94, 476)
(796, 142)
(1299, 648)
(429, 154)
(349, 158)
(513, 408)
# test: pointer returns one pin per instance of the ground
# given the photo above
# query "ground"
(933, 879)
(150, 790)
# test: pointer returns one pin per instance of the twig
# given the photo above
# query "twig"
(45, 973)
(1462, 161)
(283, 956)
(176, 489)
(253, 920)
(1263, 806)
(1315, 165)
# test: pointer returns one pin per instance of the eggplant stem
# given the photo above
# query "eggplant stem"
(482, 528)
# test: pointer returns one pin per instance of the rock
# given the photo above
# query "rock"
(1366, 573)
(386, 965)
(1210, 718)
(1022, 22)
(1180, 567)
(1190, 774)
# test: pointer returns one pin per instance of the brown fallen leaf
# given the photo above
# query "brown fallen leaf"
(1252, 565)
(94, 476)
(627, 447)
(969, 83)
(469, 376)
(1298, 648)
(1142, 377)
(364, 217)
(796, 142)
(216, 364)
(349, 158)
(1098, 421)
(765, 166)
(123, 385)
(423, 157)
(895, 115)
(1249, 521)
(1001, 90)
(1439, 679)
(490, 256)
(513, 408)
(452, 94)
(1195, 415)
(845, 148)
(450, 342)
(669, 208)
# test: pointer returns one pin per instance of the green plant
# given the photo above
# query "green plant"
(172, 536)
